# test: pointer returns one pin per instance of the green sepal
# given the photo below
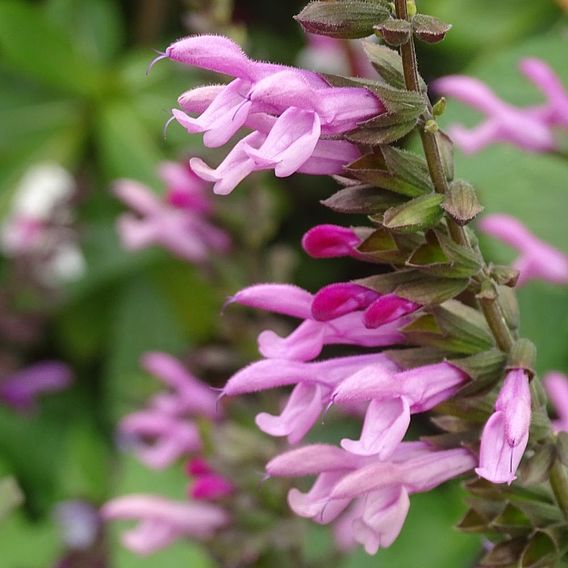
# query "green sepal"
(395, 32)
(562, 447)
(372, 169)
(473, 522)
(512, 521)
(416, 215)
(536, 468)
(415, 286)
(382, 246)
(505, 554)
(387, 130)
(347, 19)
(485, 368)
(429, 29)
(416, 356)
(540, 552)
(461, 202)
(362, 199)
(408, 166)
(446, 147)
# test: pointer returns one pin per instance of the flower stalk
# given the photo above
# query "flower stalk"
(490, 305)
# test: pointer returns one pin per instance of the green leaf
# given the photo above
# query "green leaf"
(31, 44)
(96, 24)
(416, 215)
(345, 19)
(364, 200)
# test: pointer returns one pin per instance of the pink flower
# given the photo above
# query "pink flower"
(506, 433)
(314, 383)
(333, 241)
(309, 338)
(22, 388)
(529, 128)
(162, 521)
(289, 109)
(179, 225)
(366, 498)
(537, 259)
(188, 396)
(556, 385)
(158, 440)
(394, 397)
(207, 484)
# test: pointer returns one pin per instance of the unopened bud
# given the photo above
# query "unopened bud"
(440, 107)
(411, 8)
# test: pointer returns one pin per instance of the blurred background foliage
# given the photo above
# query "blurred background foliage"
(73, 89)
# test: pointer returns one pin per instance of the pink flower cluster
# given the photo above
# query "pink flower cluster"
(179, 223)
(530, 128)
(293, 114)
(377, 472)
(160, 435)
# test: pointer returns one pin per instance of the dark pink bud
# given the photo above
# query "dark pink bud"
(386, 309)
(339, 299)
(198, 466)
(330, 241)
(210, 487)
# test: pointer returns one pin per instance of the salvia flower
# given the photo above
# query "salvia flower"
(309, 338)
(164, 432)
(506, 433)
(162, 521)
(299, 108)
(179, 224)
(21, 389)
(365, 497)
(207, 484)
(530, 128)
(537, 259)
(556, 385)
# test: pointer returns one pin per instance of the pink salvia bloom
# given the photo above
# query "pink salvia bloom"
(184, 189)
(380, 489)
(394, 397)
(503, 123)
(336, 300)
(22, 388)
(158, 440)
(331, 241)
(303, 105)
(506, 433)
(314, 383)
(309, 338)
(162, 521)
(198, 466)
(185, 233)
(210, 487)
(529, 128)
(387, 308)
(556, 385)
(188, 396)
(537, 259)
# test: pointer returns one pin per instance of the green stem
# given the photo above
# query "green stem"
(491, 307)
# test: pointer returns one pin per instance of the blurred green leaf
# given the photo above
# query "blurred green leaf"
(26, 544)
(126, 147)
(30, 43)
(96, 25)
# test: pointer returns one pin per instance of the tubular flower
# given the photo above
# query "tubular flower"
(162, 521)
(309, 338)
(314, 383)
(537, 259)
(292, 111)
(178, 224)
(529, 128)
(506, 433)
(164, 433)
(367, 499)
(394, 397)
